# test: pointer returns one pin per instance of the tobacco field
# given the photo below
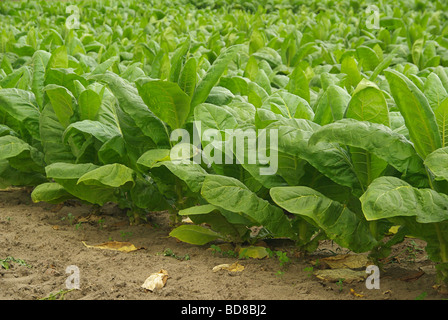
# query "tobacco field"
(264, 132)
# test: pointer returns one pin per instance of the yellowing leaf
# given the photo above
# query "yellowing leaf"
(353, 293)
(115, 245)
(334, 275)
(234, 267)
(352, 261)
(254, 252)
(156, 280)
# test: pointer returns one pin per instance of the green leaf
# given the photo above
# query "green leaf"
(111, 175)
(194, 234)
(419, 117)
(378, 139)
(331, 105)
(58, 59)
(288, 105)
(441, 114)
(134, 107)
(177, 60)
(89, 104)
(212, 76)
(349, 66)
(233, 195)
(188, 77)
(51, 193)
(336, 220)
(19, 110)
(167, 101)
(434, 91)
(389, 197)
(436, 162)
(62, 101)
(40, 60)
(298, 84)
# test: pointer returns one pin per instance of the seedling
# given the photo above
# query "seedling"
(70, 218)
(57, 295)
(421, 296)
(309, 270)
(5, 263)
(101, 223)
(340, 284)
(125, 235)
(169, 253)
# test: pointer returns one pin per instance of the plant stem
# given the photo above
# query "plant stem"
(443, 245)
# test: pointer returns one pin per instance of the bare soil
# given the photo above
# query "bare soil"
(48, 240)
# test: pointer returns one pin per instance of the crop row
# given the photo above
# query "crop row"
(307, 122)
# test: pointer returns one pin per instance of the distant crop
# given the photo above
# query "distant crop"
(355, 94)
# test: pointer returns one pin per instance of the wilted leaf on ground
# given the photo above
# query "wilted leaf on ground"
(346, 275)
(255, 252)
(115, 245)
(351, 261)
(353, 293)
(234, 267)
(156, 280)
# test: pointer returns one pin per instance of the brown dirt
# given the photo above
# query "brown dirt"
(42, 235)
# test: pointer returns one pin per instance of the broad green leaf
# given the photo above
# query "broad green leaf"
(288, 105)
(134, 107)
(50, 192)
(21, 107)
(389, 197)
(167, 101)
(367, 104)
(336, 220)
(62, 101)
(21, 155)
(434, 91)
(367, 58)
(188, 77)
(212, 76)
(378, 139)
(89, 104)
(194, 234)
(58, 59)
(51, 132)
(441, 114)
(437, 163)
(177, 60)
(419, 117)
(331, 105)
(298, 84)
(67, 175)
(349, 66)
(233, 195)
(40, 60)
(329, 159)
(111, 175)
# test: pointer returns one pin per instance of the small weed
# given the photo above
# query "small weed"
(309, 270)
(218, 250)
(6, 263)
(57, 295)
(169, 253)
(421, 296)
(70, 218)
(101, 223)
(125, 235)
(340, 284)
